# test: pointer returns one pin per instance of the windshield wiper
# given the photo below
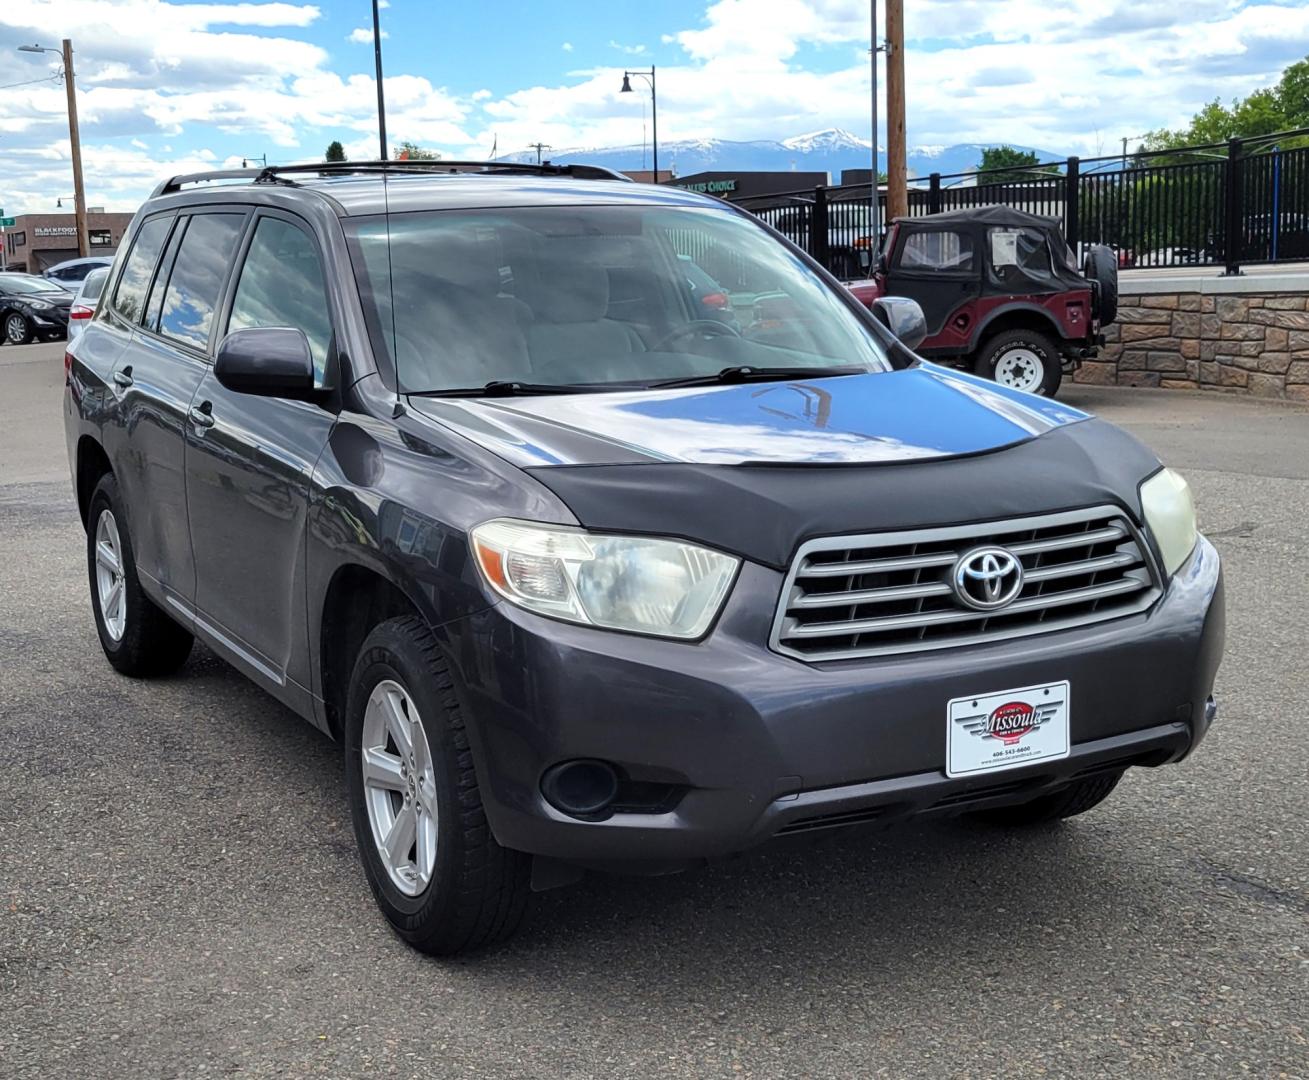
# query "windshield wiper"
(514, 388)
(744, 373)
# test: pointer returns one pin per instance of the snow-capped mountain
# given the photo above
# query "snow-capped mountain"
(830, 151)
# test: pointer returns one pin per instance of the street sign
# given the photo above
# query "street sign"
(6, 223)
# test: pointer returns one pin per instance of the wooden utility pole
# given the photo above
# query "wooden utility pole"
(75, 142)
(897, 190)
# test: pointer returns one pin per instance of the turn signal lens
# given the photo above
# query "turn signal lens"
(644, 585)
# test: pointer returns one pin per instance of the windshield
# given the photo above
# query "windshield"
(594, 295)
(28, 283)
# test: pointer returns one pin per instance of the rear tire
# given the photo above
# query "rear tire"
(1076, 798)
(1022, 360)
(463, 891)
(138, 639)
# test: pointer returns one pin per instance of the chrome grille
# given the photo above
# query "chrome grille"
(850, 596)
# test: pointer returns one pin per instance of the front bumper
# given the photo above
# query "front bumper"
(53, 323)
(755, 745)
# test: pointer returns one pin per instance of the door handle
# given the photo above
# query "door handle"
(123, 377)
(202, 415)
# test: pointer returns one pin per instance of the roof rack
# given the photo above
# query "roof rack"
(274, 174)
(175, 183)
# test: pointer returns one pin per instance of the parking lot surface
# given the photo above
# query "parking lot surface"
(180, 894)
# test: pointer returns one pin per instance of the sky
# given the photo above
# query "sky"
(169, 87)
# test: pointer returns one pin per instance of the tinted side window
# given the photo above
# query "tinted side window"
(282, 285)
(198, 276)
(135, 279)
(937, 251)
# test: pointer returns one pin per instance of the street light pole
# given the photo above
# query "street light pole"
(74, 140)
(654, 111)
(381, 98)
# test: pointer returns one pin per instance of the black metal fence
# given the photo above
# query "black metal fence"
(1223, 204)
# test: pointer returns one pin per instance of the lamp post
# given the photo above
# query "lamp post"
(381, 97)
(74, 140)
(654, 111)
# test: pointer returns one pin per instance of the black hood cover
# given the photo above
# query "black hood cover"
(764, 512)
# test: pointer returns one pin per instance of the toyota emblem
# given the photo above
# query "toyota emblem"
(987, 578)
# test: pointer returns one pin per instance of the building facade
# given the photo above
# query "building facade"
(36, 242)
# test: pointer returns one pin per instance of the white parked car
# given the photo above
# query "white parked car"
(84, 303)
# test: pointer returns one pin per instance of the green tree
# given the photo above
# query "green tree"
(411, 151)
(1005, 165)
(335, 151)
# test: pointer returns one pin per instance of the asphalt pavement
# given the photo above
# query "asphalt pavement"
(180, 894)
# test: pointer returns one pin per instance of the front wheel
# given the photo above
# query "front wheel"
(1022, 360)
(434, 868)
(18, 330)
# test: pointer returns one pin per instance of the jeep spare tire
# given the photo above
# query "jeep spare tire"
(1101, 267)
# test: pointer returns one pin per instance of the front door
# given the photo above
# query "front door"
(249, 461)
(939, 268)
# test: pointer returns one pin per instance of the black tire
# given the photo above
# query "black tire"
(1025, 347)
(478, 892)
(1101, 266)
(16, 328)
(1077, 798)
(151, 643)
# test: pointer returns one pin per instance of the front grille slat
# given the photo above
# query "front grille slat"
(890, 592)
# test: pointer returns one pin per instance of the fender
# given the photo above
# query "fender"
(993, 309)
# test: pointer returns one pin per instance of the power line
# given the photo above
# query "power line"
(33, 82)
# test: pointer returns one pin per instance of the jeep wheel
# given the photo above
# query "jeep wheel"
(1101, 266)
(1077, 798)
(138, 638)
(18, 331)
(1022, 360)
(434, 868)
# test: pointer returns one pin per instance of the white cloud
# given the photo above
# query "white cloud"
(363, 35)
(567, 46)
(630, 50)
(1069, 75)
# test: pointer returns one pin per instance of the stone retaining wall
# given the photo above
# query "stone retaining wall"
(1242, 342)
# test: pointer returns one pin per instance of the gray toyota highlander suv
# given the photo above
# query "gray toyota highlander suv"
(586, 569)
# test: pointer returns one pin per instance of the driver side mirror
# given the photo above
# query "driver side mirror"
(903, 317)
(270, 361)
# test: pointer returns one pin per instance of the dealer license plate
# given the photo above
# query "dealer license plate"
(1007, 729)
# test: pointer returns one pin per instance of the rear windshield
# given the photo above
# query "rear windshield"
(94, 284)
(594, 295)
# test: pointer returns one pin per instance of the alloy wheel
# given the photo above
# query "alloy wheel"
(109, 584)
(16, 329)
(1020, 369)
(399, 787)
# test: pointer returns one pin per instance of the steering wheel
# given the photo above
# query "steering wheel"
(718, 329)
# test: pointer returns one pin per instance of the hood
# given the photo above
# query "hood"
(64, 299)
(916, 414)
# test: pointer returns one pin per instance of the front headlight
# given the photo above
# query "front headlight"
(1170, 513)
(39, 305)
(647, 586)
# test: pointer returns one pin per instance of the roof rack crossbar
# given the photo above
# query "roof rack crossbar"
(175, 183)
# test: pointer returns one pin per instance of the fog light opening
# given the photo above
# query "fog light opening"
(580, 788)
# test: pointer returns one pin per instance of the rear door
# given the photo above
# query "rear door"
(939, 268)
(150, 383)
(250, 458)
